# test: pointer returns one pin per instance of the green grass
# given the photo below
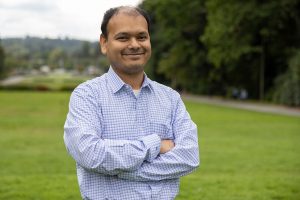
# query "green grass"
(33, 160)
(244, 155)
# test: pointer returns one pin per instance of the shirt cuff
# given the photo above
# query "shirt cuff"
(152, 144)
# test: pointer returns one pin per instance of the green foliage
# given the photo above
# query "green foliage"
(287, 88)
(254, 36)
(32, 53)
(244, 155)
(211, 46)
(2, 57)
(224, 35)
(56, 58)
(178, 53)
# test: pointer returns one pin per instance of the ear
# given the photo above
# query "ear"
(103, 43)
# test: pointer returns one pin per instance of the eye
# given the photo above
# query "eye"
(142, 37)
(122, 38)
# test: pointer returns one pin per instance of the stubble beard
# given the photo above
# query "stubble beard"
(132, 69)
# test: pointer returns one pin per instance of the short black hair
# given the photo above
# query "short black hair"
(113, 11)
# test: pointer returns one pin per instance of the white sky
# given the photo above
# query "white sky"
(79, 19)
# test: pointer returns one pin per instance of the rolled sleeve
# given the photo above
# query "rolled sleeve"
(152, 143)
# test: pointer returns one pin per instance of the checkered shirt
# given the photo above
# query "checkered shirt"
(114, 136)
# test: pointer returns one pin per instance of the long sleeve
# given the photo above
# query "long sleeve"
(181, 160)
(84, 143)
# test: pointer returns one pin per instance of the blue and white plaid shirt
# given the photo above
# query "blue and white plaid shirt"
(114, 137)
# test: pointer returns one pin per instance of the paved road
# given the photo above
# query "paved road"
(259, 107)
(12, 80)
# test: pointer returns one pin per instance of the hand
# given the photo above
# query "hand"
(166, 145)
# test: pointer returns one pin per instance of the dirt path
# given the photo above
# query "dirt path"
(259, 107)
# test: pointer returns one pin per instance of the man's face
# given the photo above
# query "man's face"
(127, 45)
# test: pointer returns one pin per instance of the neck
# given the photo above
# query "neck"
(134, 80)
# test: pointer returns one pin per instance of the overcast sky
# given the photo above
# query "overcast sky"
(79, 19)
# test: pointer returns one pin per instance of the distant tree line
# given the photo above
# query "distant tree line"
(215, 47)
(31, 53)
(2, 56)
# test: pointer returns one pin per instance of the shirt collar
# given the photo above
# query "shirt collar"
(116, 83)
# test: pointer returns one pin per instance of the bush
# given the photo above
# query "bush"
(287, 86)
(46, 83)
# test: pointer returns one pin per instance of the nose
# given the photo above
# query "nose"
(133, 44)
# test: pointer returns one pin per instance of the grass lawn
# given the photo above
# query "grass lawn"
(244, 155)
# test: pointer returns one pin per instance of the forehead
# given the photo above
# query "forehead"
(124, 22)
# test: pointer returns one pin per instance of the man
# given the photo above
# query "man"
(131, 137)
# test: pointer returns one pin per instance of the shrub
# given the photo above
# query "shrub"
(287, 86)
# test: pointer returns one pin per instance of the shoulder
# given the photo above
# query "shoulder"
(92, 84)
(165, 91)
(90, 87)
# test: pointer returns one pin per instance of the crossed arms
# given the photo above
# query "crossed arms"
(146, 159)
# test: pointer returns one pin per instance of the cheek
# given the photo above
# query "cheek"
(112, 51)
(116, 49)
(148, 47)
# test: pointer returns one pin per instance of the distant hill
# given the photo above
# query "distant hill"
(23, 54)
(43, 45)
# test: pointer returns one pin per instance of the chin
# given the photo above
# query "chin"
(129, 68)
(134, 69)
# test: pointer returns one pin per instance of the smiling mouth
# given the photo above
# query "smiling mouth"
(132, 54)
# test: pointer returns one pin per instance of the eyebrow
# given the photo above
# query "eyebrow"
(143, 33)
(128, 33)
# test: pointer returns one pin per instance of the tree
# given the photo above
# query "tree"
(251, 40)
(211, 46)
(178, 54)
(57, 58)
(2, 56)
(287, 88)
